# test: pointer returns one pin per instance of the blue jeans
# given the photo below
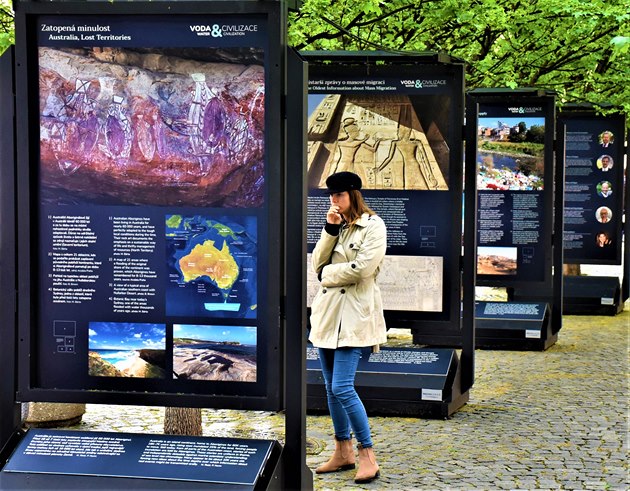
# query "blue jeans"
(339, 367)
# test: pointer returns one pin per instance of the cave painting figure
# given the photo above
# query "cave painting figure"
(144, 137)
(417, 172)
(118, 135)
(207, 122)
(75, 129)
(348, 146)
(213, 132)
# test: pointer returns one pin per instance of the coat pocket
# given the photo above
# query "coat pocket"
(362, 296)
(324, 308)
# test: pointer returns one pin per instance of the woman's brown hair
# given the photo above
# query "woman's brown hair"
(357, 206)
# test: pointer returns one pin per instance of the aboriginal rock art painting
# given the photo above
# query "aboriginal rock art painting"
(125, 127)
(379, 138)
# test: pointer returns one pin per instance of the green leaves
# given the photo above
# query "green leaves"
(579, 49)
(7, 29)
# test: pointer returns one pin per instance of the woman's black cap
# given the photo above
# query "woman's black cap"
(342, 181)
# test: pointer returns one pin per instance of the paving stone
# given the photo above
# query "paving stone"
(535, 420)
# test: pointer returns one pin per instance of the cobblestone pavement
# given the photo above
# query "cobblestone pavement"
(535, 420)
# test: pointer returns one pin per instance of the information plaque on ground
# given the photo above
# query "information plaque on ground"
(228, 461)
(530, 319)
(510, 311)
(424, 370)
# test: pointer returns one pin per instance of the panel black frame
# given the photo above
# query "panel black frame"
(570, 113)
(11, 414)
(270, 395)
(547, 101)
(458, 320)
(368, 64)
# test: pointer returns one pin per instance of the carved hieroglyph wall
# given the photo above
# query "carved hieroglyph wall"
(380, 139)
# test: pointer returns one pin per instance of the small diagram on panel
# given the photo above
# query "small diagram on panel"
(65, 333)
(528, 255)
(427, 236)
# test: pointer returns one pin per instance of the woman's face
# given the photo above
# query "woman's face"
(342, 200)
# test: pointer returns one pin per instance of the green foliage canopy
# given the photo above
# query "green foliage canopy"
(579, 49)
(7, 37)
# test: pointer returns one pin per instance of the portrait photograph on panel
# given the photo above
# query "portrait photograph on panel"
(125, 349)
(604, 189)
(155, 126)
(603, 214)
(214, 352)
(605, 163)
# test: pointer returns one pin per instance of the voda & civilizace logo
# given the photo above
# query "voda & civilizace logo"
(221, 30)
(422, 83)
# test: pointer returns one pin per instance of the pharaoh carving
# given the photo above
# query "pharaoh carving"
(379, 138)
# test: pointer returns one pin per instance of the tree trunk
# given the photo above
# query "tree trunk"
(571, 270)
(182, 421)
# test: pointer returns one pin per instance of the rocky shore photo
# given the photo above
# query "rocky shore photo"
(218, 353)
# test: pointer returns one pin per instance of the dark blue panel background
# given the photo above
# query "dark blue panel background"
(128, 465)
(100, 308)
(156, 30)
(530, 266)
(54, 370)
(438, 368)
(480, 314)
(533, 259)
(587, 250)
(423, 208)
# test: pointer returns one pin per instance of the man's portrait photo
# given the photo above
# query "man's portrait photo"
(606, 138)
(605, 163)
(603, 214)
(604, 189)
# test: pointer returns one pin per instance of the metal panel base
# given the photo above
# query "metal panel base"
(592, 295)
(391, 393)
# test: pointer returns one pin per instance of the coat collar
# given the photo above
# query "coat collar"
(363, 221)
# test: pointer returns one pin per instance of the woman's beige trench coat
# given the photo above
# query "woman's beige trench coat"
(348, 310)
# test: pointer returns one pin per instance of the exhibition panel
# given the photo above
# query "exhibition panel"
(151, 164)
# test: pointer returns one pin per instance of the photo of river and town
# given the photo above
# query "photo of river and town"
(510, 154)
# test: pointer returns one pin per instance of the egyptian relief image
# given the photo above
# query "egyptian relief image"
(383, 139)
(157, 127)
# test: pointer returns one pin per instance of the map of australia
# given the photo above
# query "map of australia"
(212, 266)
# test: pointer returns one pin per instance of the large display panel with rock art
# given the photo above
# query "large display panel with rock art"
(399, 129)
(151, 160)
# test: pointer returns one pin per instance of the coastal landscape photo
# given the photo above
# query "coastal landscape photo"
(121, 349)
(510, 155)
(214, 352)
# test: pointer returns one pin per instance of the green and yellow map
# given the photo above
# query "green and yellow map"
(212, 266)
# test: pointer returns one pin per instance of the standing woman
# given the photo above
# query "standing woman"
(347, 315)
